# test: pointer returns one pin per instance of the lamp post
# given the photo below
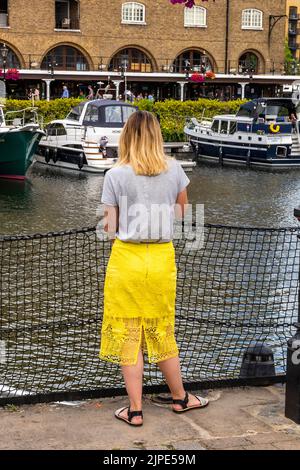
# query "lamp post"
(48, 81)
(4, 53)
(51, 65)
(123, 69)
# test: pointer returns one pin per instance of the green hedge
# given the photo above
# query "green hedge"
(171, 113)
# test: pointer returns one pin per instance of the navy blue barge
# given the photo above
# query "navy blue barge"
(263, 134)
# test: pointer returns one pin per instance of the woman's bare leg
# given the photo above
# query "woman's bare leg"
(133, 377)
(172, 373)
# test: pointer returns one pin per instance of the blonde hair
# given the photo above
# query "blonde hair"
(141, 145)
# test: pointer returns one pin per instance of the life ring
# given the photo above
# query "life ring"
(274, 128)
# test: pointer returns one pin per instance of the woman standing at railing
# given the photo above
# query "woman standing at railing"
(140, 194)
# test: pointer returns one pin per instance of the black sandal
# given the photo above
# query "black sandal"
(203, 402)
(130, 414)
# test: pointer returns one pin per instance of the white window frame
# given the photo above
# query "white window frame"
(248, 18)
(131, 6)
(193, 13)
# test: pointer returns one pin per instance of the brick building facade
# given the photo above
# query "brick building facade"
(150, 40)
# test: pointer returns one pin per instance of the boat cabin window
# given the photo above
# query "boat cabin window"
(224, 127)
(91, 115)
(113, 114)
(127, 112)
(76, 112)
(215, 126)
(277, 112)
(56, 129)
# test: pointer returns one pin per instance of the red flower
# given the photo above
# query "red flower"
(210, 74)
(197, 77)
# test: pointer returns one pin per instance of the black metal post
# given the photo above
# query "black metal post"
(292, 399)
(4, 70)
(4, 53)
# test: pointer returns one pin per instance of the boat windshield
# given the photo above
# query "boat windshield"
(76, 112)
(107, 116)
(277, 111)
(269, 109)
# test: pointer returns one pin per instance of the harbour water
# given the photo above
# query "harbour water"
(54, 200)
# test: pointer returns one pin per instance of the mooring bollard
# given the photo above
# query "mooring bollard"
(258, 362)
(292, 396)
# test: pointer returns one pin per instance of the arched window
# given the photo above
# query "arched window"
(133, 13)
(131, 60)
(252, 19)
(3, 13)
(195, 17)
(249, 63)
(12, 61)
(193, 61)
(65, 58)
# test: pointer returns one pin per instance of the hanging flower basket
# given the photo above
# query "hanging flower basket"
(197, 78)
(10, 74)
(211, 75)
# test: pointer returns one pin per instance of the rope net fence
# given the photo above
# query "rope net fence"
(240, 289)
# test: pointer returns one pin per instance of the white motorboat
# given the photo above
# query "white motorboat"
(88, 139)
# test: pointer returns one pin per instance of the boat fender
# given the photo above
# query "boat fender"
(81, 160)
(54, 156)
(274, 128)
(47, 155)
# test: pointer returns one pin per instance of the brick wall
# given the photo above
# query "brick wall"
(32, 31)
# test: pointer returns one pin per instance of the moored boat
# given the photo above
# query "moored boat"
(18, 144)
(263, 134)
(88, 139)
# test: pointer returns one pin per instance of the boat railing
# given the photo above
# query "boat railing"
(21, 117)
(70, 134)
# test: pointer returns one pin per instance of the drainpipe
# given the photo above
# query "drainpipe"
(227, 35)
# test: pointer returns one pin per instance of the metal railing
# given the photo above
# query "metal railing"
(24, 116)
(240, 290)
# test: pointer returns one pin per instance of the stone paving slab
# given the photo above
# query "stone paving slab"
(243, 418)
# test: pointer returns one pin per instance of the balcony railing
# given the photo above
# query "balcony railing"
(293, 45)
(293, 16)
(67, 23)
(163, 65)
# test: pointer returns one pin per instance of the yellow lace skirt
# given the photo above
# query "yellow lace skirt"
(139, 303)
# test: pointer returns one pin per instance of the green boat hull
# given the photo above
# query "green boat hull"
(17, 148)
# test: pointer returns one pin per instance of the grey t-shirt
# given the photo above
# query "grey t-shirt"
(146, 203)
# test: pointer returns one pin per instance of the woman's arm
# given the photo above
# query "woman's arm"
(181, 204)
(111, 221)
